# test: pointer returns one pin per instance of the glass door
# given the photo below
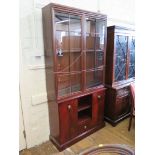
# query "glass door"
(120, 57)
(68, 53)
(95, 31)
(131, 73)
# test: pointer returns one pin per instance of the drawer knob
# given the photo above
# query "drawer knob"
(69, 107)
(85, 127)
(99, 97)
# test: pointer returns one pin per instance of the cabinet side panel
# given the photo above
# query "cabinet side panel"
(110, 102)
(47, 30)
(109, 57)
(54, 120)
(50, 79)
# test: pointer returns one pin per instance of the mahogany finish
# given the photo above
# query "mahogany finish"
(120, 72)
(75, 42)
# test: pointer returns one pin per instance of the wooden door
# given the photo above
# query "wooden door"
(68, 120)
(100, 98)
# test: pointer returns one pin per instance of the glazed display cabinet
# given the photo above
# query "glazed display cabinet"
(120, 72)
(75, 42)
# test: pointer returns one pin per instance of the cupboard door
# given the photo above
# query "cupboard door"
(131, 73)
(101, 98)
(122, 105)
(98, 107)
(68, 120)
(120, 57)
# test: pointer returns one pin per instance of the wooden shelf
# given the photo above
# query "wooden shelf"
(83, 106)
(83, 119)
(68, 31)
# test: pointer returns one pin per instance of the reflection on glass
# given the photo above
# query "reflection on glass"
(61, 21)
(132, 58)
(75, 23)
(75, 41)
(100, 31)
(120, 64)
(76, 82)
(94, 78)
(99, 59)
(63, 84)
(90, 60)
(75, 61)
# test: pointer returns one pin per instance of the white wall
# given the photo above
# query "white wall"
(32, 68)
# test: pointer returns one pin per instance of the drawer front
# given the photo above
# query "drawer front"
(84, 127)
(122, 105)
(123, 92)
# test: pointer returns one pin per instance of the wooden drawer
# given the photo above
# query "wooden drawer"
(123, 92)
(84, 127)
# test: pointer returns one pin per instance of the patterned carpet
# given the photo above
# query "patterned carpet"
(109, 149)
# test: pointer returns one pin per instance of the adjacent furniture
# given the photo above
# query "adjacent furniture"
(120, 72)
(132, 98)
(75, 42)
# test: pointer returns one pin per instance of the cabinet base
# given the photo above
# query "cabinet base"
(115, 122)
(61, 147)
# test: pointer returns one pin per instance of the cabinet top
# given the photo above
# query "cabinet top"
(120, 28)
(70, 9)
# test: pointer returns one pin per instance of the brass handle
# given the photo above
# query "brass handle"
(99, 97)
(85, 127)
(69, 107)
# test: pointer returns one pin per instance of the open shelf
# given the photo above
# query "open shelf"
(84, 115)
(84, 108)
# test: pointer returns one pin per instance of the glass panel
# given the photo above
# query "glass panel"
(95, 30)
(90, 60)
(100, 31)
(61, 21)
(90, 34)
(120, 62)
(76, 82)
(75, 23)
(62, 35)
(75, 41)
(94, 78)
(132, 58)
(99, 59)
(61, 51)
(75, 61)
(64, 84)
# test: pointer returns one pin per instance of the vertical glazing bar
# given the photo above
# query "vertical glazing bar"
(83, 43)
(54, 50)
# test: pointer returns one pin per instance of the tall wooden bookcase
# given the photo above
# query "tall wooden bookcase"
(75, 41)
(120, 72)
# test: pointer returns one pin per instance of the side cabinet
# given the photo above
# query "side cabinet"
(120, 72)
(117, 105)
